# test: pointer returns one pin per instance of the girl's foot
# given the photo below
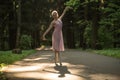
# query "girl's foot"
(56, 64)
(60, 64)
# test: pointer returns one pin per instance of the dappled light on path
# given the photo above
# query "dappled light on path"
(47, 71)
(43, 47)
(40, 66)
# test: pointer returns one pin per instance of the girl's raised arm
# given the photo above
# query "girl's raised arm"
(65, 10)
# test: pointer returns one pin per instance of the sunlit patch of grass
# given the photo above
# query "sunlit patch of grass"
(7, 57)
(109, 52)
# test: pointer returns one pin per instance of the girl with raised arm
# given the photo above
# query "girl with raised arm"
(57, 36)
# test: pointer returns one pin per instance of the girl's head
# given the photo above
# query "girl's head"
(54, 14)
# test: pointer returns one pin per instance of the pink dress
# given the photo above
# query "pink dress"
(57, 36)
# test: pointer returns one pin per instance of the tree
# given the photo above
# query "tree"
(18, 23)
(5, 12)
(109, 31)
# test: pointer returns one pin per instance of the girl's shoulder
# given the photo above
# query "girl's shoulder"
(53, 22)
(59, 19)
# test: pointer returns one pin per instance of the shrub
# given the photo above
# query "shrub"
(25, 42)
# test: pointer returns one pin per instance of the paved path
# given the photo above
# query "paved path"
(77, 65)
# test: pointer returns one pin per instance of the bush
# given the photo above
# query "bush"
(25, 42)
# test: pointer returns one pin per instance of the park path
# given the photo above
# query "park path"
(77, 65)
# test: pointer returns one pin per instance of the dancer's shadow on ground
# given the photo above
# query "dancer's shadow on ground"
(62, 70)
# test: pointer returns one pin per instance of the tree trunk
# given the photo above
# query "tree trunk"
(82, 37)
(12, 27)
(95, 27)
(5, 7)
(19, 23)
(2, 39)
(82, 40)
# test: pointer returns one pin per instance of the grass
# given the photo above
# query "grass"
(113, 52)
(109, 52)
(7, 57)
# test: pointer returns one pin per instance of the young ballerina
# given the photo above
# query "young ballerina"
(57, 36)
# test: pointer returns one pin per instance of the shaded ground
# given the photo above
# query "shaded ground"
(77, 65)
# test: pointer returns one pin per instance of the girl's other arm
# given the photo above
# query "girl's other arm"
(49, 28)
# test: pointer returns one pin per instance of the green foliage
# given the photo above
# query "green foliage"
(7, 57)
(109, 52)
(73, 3)
(35, 17)
(105, 37)
(112, 13)
(1, 66)
(25, 42)
(3, 77)
(87, 34)
(110, 21)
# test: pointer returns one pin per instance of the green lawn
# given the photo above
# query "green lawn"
(7, 57)
(109, 52)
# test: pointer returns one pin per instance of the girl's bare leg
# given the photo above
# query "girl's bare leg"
(56, 57)
(60, 59)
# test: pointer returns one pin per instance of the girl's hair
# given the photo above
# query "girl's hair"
(54, 12)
